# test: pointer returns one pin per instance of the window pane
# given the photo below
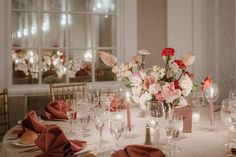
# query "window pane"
(53, 30)
(24, 29)
(53, 66)
(53, 5)
(78, 5)
(103, 72)
(80, 65)
(103, 6)
(25, 66)
(105, 26)
(25, 4)
(80, 31)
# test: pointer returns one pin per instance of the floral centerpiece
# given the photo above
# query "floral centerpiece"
(169, 84)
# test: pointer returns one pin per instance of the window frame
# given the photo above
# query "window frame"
(25, 88)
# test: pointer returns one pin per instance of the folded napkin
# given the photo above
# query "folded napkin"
(117, 104)
(54, 143)
(56, 109)
(31, 122)
(139, 151)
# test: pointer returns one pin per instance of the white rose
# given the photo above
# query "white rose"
(188, 58)
(144, 98)
(115, 69)
(136, 90)
(135, 99)
(135, 80)
(186, 85)
(154, 88)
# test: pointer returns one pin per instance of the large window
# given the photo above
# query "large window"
(57, 41)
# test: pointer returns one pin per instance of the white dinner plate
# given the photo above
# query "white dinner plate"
(19, 121)
(17, 143)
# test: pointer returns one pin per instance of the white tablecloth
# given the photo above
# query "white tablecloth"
(199, 143)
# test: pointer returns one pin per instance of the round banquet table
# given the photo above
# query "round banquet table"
(199, 143)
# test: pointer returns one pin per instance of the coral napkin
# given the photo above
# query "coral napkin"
(139, 151)
(31, 122)
(54, 143)
(56, 109)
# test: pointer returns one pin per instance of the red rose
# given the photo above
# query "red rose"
(207, 83)
(189, 74)
(176, 83)
(180, 64)
(168, 52)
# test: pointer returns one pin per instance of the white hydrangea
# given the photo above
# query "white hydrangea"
(186, 85)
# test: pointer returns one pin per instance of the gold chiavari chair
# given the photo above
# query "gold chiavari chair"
(66, 91)
(4, 112)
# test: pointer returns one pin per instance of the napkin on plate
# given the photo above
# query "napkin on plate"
(139, 151)
(54, 143)
(55, 110)
(31, 122)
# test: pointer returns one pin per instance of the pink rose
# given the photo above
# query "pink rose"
(207, 83)
(170, 93)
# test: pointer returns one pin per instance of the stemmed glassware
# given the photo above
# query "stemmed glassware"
(173, 129)
(83, 117)
(226, 117)
(100, 120)
(117, 126)
(232, 94)
(211, 95)
(70, 113)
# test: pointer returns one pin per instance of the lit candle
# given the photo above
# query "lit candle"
(195, 117)
(128, 111)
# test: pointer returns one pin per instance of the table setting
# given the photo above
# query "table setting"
(149, 112)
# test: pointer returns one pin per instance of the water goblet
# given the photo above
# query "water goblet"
(117, 126)
(70, 113)
(100, 119)
(225, 114)
(83, 115)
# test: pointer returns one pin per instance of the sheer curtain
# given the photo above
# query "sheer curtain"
(206, 27)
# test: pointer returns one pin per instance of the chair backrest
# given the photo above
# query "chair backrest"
(66, 91)
(4, 112)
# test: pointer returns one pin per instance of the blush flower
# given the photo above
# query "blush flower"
(170, 93)
(207, 83)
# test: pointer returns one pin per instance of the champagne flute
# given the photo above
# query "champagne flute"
(117, 126)
(70, 113)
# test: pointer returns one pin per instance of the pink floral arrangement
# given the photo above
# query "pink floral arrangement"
(169, 84)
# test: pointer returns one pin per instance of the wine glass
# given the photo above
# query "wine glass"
(117, 126)
(100, 119)
(83, 117)
(211, 95)
(178, 120)
(232, 94)
(70, 113)
(225, 114)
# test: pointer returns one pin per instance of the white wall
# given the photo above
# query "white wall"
(206, 27)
